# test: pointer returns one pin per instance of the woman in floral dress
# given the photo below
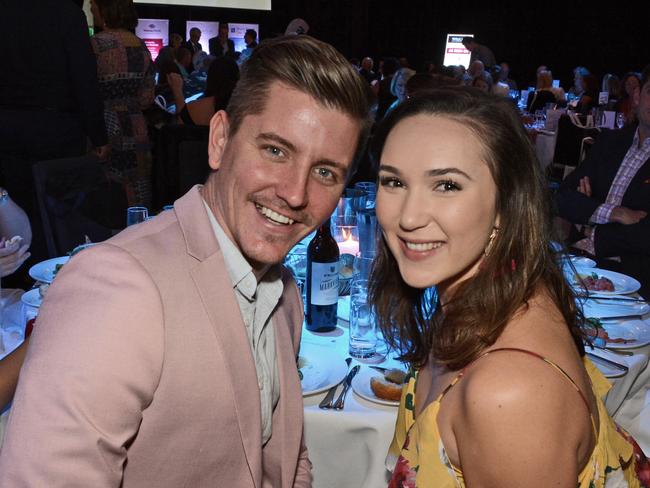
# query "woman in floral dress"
(126, 81)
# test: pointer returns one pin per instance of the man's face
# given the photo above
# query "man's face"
(281, 174)
(195, 35)
(367, 64)
(223, 31)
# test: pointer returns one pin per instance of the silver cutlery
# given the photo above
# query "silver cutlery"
(381, 369)
(613, 298)
(328, 401)
(338, 405)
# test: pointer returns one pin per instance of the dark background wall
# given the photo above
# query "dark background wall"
(608, 37)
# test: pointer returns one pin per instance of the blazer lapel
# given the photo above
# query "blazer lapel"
(289, 426)
(215, 288)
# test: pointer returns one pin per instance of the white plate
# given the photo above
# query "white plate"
(604, 309)
(623, 284)
(636, 330)
(361, 386)
(607, 370)
(582, 262)
(44, 271)
(320, 371)
(32, 298)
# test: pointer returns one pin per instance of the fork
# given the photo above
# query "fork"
(328, 401)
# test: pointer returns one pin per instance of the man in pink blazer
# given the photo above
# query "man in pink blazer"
(149, 365)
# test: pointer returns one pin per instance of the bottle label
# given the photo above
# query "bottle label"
(324, 283)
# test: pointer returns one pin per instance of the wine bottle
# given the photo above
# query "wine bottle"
(322, 281)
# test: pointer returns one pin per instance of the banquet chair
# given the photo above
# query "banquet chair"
(568, 145)
(77, 200)
(180, 159)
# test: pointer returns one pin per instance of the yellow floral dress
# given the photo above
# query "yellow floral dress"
(613, 463)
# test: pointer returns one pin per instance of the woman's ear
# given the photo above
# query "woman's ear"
(219, 128)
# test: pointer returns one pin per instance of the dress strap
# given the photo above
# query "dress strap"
(538, 356)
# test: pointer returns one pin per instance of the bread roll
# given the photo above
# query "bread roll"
(385, 390)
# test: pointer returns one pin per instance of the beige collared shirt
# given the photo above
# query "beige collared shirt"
(256, 303)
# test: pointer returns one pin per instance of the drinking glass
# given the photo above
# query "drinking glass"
(371, 192)
(135, 215)
(363, 327)
(368, 231)
(620, 120)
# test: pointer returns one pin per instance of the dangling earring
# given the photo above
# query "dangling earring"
(495, 232)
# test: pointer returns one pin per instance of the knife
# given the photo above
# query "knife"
(608, 361)
(346, 386)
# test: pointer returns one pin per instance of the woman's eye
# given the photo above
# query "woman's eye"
(447, 186)
(390, 182)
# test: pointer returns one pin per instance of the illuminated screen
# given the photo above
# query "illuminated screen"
(245, 4)
(455, 52)
(154, 33)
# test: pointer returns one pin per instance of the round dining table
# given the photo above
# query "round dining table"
(348, 447)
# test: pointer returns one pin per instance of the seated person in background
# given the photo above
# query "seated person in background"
(504, 76)
(578, 87)
(483, 83)
(168, 53)
(500, 87)
(630, 86)
(16, 239)
(222, 78)
(543, 93)
(609, 194)
(15, 235)
(612, 85)
(500, 393)
(589, 97)
(398, 86)
(184, 61)
(558, 91)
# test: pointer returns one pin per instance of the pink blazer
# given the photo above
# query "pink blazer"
(140, 374)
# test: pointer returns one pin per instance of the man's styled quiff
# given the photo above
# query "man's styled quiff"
(302, 63)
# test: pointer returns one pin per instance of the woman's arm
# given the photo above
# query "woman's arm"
(520, 424)
(14, 221)
(9, 369)
(175, 82)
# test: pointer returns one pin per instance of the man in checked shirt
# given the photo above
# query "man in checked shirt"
(609, 196)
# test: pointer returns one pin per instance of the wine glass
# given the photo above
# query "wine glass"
(620, 120)
(135, 215)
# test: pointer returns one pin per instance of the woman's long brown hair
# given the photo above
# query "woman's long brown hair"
(520, 261)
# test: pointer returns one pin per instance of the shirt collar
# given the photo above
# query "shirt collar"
(240, 271)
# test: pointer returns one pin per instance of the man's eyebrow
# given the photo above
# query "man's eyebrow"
(431, 172)
(273, 137)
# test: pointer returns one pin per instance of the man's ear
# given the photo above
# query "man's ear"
(219, 128)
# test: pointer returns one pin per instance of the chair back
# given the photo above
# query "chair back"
(77, 198)
(569, 141)
(180, 161)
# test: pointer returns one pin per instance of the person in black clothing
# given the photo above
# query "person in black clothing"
(193, 43)
(49, 98)
(221, 45)
(611, 205)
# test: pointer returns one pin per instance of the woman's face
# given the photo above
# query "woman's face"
(436, 201)
(631, 85)
(482, 85)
